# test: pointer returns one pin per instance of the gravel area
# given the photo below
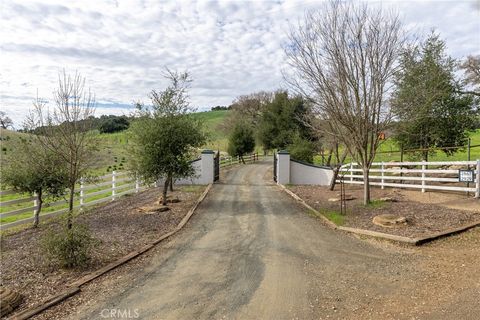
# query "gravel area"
(119, 227)
(425, 214)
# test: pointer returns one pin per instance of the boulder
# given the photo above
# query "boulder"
(389, 220)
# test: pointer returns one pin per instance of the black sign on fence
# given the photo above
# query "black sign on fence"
(466, 176)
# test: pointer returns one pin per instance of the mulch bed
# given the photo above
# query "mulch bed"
(118, 226)
(423, 219)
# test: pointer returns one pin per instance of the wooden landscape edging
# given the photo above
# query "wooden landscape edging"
(306, 205)
(376, 234)
(75, 287)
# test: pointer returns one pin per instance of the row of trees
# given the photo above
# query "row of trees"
(357, 76)
(274, 120)
(62, 145)
(363, 76)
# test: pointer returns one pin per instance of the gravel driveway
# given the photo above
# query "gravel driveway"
(250, 252)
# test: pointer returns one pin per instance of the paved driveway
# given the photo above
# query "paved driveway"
(251, 252)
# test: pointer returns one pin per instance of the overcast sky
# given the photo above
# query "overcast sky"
(230, 47)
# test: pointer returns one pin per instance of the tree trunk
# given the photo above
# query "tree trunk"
(165, 189)
(171, 184)
(70, 207)
(366, 186)
(329, 158)
(36, 217)
(243, 160)
(337, 169)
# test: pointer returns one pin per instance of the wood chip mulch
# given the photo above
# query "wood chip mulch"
(119, 226)
(423, 218)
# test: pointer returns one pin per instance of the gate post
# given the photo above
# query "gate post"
(283, 167)
(207, 167)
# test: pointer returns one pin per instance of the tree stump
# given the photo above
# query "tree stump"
(389, 220)
(9, 301)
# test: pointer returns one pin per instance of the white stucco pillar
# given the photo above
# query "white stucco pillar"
(283, 167)
(207, 166)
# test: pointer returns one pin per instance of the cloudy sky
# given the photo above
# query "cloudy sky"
(122, 47)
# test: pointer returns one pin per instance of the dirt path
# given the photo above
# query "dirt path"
(250, 252)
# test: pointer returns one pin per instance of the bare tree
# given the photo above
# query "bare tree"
(248, 108)
(343, 58)
(65, 130)
(471, 67)
(5, 121)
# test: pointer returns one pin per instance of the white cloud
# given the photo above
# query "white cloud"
(122, 47)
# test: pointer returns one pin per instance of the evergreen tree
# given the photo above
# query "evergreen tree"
(429, 110)
(241, 140)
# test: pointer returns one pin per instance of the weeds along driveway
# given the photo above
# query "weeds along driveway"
(250, 252)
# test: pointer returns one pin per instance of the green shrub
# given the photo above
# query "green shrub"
(301, 149)
(69, 247)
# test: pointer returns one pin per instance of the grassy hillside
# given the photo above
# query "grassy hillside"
(212, 121)
(113, 148)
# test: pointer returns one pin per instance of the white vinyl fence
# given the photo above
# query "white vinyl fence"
(443, 175)
(108, 188)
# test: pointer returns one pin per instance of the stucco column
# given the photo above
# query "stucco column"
(207, 166)
(283, 167)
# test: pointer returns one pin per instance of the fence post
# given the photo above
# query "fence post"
(35, 204)
(81, 192)
(477, 184)
(113, 184)
(423, 175)
(351, 171)
(137, 184)
(383, 174)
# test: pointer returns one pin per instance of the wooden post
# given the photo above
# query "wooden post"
(81, 192)
(468, 149)
(113, 185)
(401, 161)
(351, 171)
(477, 184)
(423, 175)
(137, 184)
(383, 174)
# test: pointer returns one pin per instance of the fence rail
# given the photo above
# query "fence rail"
(429, 176)
(115, 188)
(228, 160)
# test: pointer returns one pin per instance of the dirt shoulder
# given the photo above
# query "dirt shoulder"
(443, 283)
(426, 213)
(119, 227)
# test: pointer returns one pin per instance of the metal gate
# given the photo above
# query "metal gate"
(275, 167)
(216, 171)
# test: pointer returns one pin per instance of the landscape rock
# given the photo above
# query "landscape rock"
(389, 220)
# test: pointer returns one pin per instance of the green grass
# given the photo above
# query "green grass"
(388, 151)
(332, 215)
(374, 204)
